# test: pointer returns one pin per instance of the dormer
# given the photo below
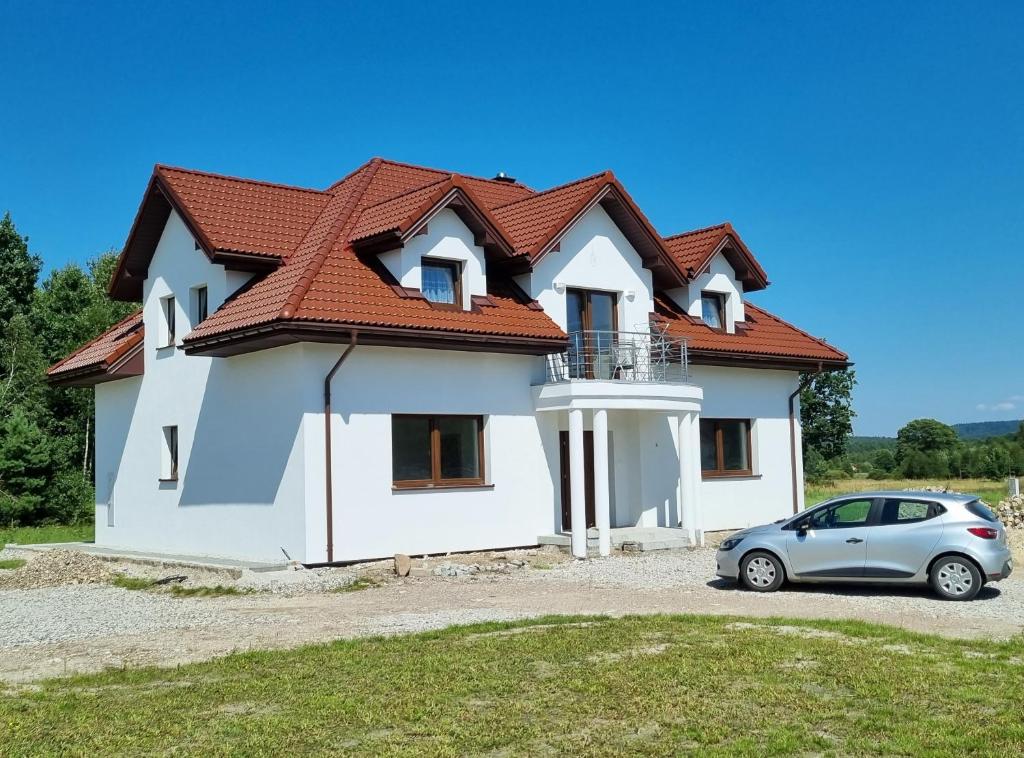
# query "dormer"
(441, 261)
(720, 270)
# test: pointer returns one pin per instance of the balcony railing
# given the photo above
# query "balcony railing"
(622, 357)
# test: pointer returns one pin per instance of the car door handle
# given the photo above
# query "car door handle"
(854, 540)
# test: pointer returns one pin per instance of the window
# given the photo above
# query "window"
(712, 308)
(847, 514)
(981, 510)
(169, 459)
(593, 321)
(437, 451)
(442, 282)
(200, 310)
(908, 511)
(167, 306)
(725, 447)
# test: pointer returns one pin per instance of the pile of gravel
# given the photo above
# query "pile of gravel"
(56, 567)
(1011, 512)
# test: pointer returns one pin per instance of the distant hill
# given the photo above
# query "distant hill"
(981, 429)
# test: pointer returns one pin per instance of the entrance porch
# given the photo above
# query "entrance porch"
(629, 454)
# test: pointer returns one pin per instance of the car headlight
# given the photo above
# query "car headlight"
(730, 543)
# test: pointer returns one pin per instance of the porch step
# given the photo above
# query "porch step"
(627, 539)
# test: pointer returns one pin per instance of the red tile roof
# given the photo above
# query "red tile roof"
(325, 279)
(692, 250)
(762, 334)
(533, 220)
(241, 215)
(102, 352)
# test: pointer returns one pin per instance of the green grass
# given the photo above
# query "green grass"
(37, 535)
(598, 686)
(144, 583)
(13, 563)
(989, 491)
(362, 583)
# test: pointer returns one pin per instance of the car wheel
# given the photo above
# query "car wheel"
(955, 578)
(762, 572)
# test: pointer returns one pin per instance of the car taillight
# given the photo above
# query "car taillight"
(984, 532)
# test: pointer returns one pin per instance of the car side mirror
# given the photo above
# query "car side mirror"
(802, 529)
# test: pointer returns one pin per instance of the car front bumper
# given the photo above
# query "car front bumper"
(728, 563)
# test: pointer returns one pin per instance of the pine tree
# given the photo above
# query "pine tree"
(19, 270)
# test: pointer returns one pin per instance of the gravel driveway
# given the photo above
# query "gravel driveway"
(78, 628)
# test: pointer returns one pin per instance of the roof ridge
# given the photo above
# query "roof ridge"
(606, 173)
(409, 192)
(302, 286)
(276, 185)
(455, 173)
(820, 341)
(94, 340)
(723, 225)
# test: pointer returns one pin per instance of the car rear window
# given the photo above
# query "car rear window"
(981, 510)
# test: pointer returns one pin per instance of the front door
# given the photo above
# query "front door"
(835, 542)
(588, 478)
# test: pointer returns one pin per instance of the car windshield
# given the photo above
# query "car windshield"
(981, 510)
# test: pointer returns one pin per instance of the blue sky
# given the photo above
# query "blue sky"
(872, 155)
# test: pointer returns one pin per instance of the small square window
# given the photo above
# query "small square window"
(167, 308)
(437, 451)
(200, 309)
(169, 457)
(712, 308)
(441, 282)
(725, 447)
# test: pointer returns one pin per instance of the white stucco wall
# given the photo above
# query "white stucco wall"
(449, 239)
(240, 489)
(594, 254)
(718, 277)
(761, 396)
(371, 518)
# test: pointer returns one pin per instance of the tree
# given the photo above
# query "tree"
(25, 468)
(19, 270)
(925, 435)
(826, 412)
(883, 461)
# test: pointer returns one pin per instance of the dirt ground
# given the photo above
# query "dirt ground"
(547, 584)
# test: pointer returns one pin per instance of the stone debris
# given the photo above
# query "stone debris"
(56, 567)
(472, 569)
(403, 563)
(1011, 512)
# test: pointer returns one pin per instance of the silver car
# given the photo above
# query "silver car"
(955, 543)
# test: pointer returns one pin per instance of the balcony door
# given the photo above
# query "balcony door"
(592, 321)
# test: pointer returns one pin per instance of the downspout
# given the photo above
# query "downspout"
(327, 443)
(804, 382)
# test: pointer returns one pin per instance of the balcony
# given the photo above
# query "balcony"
(651, 357)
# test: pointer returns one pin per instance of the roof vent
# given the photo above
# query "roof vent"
(503, 177)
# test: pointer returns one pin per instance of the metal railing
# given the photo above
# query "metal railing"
(651, 356)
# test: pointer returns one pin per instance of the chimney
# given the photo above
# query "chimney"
(503, 177)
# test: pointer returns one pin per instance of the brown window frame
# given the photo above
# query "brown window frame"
(456, 268)
(170, 319)
(202, 304)
(171, 440)
(435, 480)
(720, 470)
(720, 299)
(587, 322)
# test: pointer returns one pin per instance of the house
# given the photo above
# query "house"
(418, 361)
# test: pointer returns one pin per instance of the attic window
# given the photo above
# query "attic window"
(712, 308)
(442, 282)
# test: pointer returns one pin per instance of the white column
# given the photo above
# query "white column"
(602, 506)
(684, 441)
(577, 487)
(696, 479)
